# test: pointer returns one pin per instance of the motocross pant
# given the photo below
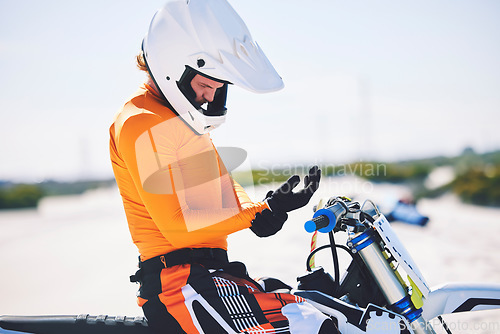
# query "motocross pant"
(190, 298)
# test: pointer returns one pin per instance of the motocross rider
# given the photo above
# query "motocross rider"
(180, 201)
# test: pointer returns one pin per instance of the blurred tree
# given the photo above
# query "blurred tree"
(20, 196)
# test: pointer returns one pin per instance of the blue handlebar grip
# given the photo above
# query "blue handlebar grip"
(311, 226)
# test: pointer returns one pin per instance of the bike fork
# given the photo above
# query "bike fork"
(398, 298)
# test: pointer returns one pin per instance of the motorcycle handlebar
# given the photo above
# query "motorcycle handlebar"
(325, 219)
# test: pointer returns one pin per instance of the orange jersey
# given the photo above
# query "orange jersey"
(175, 189)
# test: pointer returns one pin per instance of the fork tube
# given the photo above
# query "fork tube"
(395, 294)
(381, 271)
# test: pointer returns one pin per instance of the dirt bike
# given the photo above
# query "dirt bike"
(381, 291)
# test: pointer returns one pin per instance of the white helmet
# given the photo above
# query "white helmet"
(207, 37)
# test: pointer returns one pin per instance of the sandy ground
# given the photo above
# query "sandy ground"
(74, 254)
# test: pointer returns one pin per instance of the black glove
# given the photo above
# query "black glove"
(285, 200)
(267, 223)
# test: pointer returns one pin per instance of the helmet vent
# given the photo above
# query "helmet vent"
(200, 63)
(244, 50)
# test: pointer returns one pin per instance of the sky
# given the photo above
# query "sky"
(385, 80)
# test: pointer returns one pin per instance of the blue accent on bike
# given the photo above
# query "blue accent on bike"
(363, 240)
(310, 226)
(405, 307)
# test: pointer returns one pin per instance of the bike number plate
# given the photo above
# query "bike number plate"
(400, 253)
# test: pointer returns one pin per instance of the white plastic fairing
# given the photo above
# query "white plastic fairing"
(209, 37)
(400, 253)
(461, 297)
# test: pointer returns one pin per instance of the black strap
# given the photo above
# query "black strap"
(212, 258)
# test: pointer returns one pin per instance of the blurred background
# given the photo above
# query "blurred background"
(409, 86)
(386, 80)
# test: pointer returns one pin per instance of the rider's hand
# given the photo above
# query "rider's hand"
(285, 200)
(267, 223)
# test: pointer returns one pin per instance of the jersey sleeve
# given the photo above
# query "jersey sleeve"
(242, 196)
